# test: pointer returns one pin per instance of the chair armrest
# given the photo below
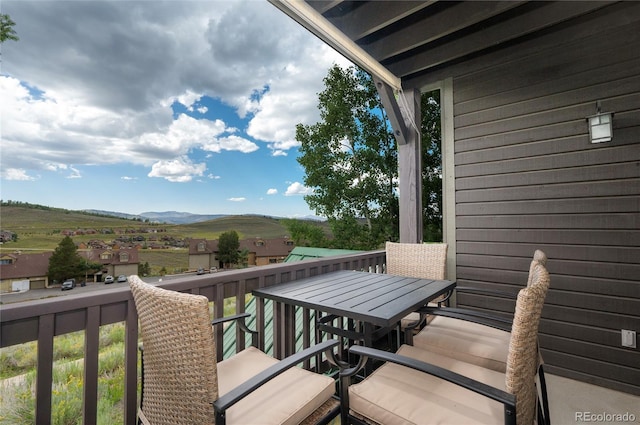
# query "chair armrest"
(232, 397)
(229, 318)
(498, 322)
(507, 399)
(240, 320)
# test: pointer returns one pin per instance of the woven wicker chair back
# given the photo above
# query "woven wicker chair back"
(522, 360)
(426, 261)
(538, 257)
(180, 377)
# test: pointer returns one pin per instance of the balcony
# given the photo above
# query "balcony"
(42, 320)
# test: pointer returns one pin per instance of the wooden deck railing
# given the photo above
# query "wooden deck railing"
(42, 320)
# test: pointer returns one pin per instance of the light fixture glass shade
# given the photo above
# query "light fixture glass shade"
(600, 128)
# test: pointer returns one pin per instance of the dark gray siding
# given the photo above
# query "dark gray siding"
(527, 177)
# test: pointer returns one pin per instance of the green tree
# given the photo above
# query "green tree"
(350, 159)
(431, 167)
(243, 258)
(6, 29)
(305, 233)
(65, 262)
(228, 245)
(144, 269)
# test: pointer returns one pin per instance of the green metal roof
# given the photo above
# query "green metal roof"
(300, 253)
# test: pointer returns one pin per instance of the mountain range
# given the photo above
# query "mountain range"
(175, 217)
(170, 217)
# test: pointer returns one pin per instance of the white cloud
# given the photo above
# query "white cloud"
(75, 173)
(230, 143)
(237, 199)
(297, 188)
(128, 178)
(178, 171)
(16, 174)
(272, 192)
(114, 69)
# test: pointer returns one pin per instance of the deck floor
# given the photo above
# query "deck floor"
(571, 402)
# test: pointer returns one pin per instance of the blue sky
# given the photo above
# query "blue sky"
(157, 106)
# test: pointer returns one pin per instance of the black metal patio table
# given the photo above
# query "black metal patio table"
(377, 301)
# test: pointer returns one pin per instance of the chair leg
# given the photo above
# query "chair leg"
(545, 397)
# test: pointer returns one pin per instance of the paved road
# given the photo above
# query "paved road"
(36, 294)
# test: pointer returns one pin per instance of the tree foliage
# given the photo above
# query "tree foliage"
(305, 233)
(350, 159)
(6, 29)
(65, 262)
(431, 167)
(144, 269)
(228, 245)
(351, 163)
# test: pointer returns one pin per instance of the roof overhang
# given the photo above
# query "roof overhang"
(312, 20)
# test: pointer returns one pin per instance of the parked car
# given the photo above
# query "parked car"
(68, 284)
(122, 278)
(108, 279)
(200, 271)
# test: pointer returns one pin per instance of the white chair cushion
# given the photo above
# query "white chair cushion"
(467, 341)
(396, 394)
(287, 399)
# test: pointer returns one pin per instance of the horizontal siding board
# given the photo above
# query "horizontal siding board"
(609, 371)
(589, 156)
(617, 187)
(610, 254)
(513, 107)
(547, 117)
(550, 146)
(582, 174)
(556, 132)
(549, 58)
(596, 302)
(511, 281)
(600, 319)
(553, 236)
(611, 221)
(504, 305)
(474, 275)
(543, 73)
(628, 204)
(593, 334)
(616, 355)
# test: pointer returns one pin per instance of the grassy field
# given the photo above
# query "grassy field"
(38, 230)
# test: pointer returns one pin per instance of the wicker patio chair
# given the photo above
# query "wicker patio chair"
(477, 337)
(425, 261)
(417, 386)
(469, 335)
(183, 383)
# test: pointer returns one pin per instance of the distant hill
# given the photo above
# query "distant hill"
(170, 217)
(39, 227)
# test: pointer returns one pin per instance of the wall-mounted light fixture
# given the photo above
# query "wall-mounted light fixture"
(600, 126)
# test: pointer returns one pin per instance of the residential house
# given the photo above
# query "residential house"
(204, 253)
(29, 271)
(24, 271)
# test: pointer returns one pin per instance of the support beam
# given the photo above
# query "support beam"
(405, 117)
(392, 108)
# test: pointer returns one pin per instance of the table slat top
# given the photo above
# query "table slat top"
(381, 299)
